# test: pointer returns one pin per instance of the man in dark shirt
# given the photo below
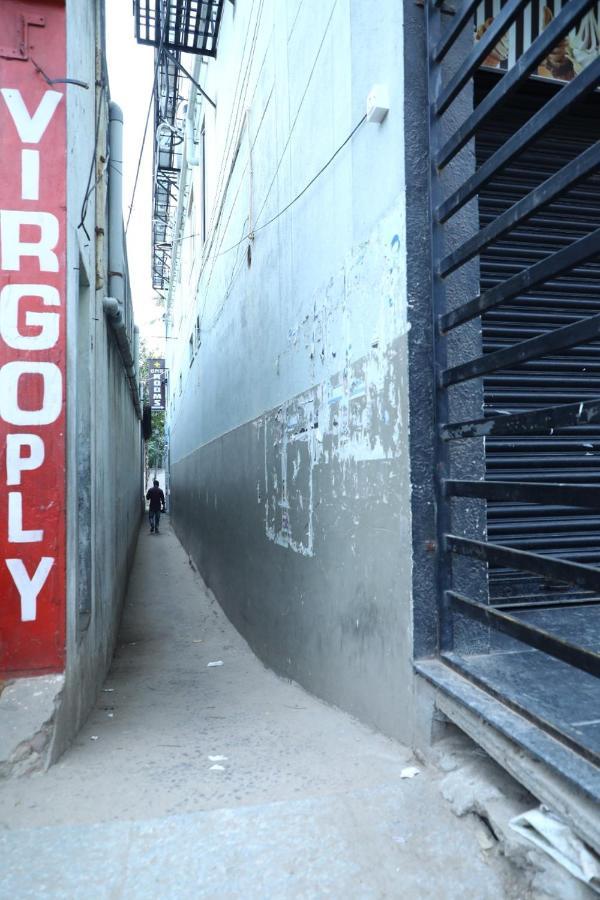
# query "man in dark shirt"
(157, 505)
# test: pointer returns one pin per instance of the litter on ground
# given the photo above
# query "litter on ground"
(548, 832)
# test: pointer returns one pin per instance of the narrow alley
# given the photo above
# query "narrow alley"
(315, 286)
(191, 780)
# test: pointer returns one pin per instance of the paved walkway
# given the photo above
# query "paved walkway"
(225, 781)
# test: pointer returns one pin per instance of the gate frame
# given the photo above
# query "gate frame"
(433, 543)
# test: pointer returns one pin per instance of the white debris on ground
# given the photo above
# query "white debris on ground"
(480, 791)
(548, 832)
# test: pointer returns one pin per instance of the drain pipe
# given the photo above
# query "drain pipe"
(114, 305)
(136, 355)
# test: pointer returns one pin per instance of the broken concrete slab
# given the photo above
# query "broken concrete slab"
(478, 789)
(27, 710)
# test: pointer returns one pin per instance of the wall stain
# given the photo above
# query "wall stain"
(354, 415)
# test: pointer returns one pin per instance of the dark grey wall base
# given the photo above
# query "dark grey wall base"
(308, 551)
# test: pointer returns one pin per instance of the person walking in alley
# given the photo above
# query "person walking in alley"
(157, 505)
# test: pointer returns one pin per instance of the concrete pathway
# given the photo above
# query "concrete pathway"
(196, 781)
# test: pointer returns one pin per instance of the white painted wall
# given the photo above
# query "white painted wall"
(326, 285)
(289, 449)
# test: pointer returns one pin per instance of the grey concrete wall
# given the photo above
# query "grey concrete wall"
(289, 429)
(307, 548)
(103, 431)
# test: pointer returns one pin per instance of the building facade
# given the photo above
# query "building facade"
(290, 353)
(379, 264)
(70, 421)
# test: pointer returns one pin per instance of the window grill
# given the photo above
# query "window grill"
(182, 26)
(173, 28)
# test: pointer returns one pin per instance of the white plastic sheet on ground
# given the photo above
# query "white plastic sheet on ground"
(544, 829)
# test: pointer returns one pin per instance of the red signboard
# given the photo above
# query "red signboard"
(32, 337)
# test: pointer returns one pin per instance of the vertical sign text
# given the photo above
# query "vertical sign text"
(32, 338)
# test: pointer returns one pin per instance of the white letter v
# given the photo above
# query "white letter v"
(31, 128)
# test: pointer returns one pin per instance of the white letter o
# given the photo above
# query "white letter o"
(51, 406)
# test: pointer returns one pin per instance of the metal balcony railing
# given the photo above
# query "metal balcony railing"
(182, 26)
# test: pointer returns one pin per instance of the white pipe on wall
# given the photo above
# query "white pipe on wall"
(114, 305)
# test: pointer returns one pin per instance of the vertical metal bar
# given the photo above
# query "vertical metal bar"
(461, 19)
(177, 26)
(442, 452)
(188, 17)
(217, 27)
(510, 82)
(480, 50)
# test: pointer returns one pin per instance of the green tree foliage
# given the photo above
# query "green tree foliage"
(156, 445)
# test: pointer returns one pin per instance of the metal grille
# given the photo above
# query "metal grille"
(168, 155)
(185, 26)
(570, 456)
(515, 248)
(578, 50)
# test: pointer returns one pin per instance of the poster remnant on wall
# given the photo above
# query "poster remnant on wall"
(32, 337)
(574, 52)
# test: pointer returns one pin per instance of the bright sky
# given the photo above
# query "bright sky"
(131, 73)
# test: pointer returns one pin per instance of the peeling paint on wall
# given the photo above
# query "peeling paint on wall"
(353, 415)
(362, 306)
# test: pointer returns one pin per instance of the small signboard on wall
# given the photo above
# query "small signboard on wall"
(157, 376)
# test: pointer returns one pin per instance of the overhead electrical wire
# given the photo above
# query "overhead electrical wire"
(252, 231)
(312, 181)
(238, 266)
(212, 257)
(90, 188)
(241, 83)
(236, 269)
(278, 215)
(207, 259)
(141, 154)
(300, 105)
(233, 139)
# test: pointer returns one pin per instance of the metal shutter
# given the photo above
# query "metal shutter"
(570, 455)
